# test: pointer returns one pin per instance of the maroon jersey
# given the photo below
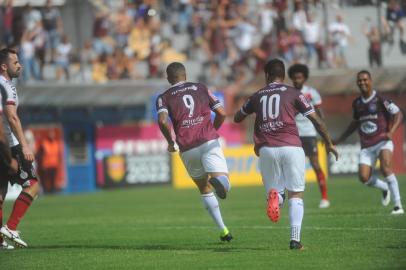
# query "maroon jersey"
(275, 107)
(189, 106)
(373, 115)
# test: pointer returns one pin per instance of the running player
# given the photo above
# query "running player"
(376, 119)
(10, 68)
(277, 143)
(189, 106)
(299, 74)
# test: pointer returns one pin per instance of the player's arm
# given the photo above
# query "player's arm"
(16, 128)
(322, 130)
(245, 110)
(5, 155)
(219, 118)
(350, 129)
(239, 117)
(396, 121)
(165, 128)
(319, 111)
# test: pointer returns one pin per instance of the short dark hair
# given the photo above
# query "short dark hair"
(364, 71)
(298, 68)
(4, 54)
(175, 70)
(275, 68)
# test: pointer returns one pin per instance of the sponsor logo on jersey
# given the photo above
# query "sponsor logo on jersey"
(369, 127)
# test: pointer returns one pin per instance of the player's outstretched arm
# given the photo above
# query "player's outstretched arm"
(220, 117)
(322, 130)
(15, 125)
(350, 129)
(166, 130)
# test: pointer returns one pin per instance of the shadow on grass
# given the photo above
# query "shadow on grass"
(221, 247)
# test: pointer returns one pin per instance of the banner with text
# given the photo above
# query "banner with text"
(131, 155)
(242, 165)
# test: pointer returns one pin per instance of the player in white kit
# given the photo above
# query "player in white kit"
(10, 68)
(299, 74)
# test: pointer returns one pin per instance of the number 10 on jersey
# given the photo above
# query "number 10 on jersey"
(270, 106)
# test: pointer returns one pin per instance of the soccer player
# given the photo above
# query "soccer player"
(299, 74)
(376, 119)
(277, 143)
(189, 106)
(10, 68)
(8, 166)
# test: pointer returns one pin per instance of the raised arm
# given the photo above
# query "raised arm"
(165, 128)
(322, 130)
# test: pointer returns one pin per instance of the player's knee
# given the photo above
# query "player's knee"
(32, 187)
(386, 170)
(224, 180)
(369, 182)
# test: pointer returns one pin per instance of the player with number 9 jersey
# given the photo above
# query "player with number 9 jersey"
(189, 106)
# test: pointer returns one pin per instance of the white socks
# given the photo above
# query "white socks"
(295, 216)
(394, 189)
(212, 206)
(377, 183)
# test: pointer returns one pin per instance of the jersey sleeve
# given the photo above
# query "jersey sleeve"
(248, 107)
(9, 95)
(161, 104)
(390, 107)
(303, 105)
(316, 98)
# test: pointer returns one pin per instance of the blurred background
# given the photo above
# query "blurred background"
(93, 69)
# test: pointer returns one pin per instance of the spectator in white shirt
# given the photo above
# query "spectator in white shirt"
(339, 34)
(311, 36)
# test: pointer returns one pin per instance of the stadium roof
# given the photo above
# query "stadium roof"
(114, 93)
(336, 82)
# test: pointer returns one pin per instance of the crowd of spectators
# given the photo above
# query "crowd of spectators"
(38, 36)
(230, 39)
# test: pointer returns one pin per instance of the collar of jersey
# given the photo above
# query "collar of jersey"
(4, 78)
(370, 98)
(178, 83)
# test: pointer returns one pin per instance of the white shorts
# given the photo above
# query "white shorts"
(282, 167)
(368, 156)
(204, 159)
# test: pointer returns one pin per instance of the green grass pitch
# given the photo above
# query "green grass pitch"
(163, 228)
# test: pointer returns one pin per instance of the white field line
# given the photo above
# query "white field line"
(255, 227)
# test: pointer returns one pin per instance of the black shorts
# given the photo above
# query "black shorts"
(309, 145)
(26, 170)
